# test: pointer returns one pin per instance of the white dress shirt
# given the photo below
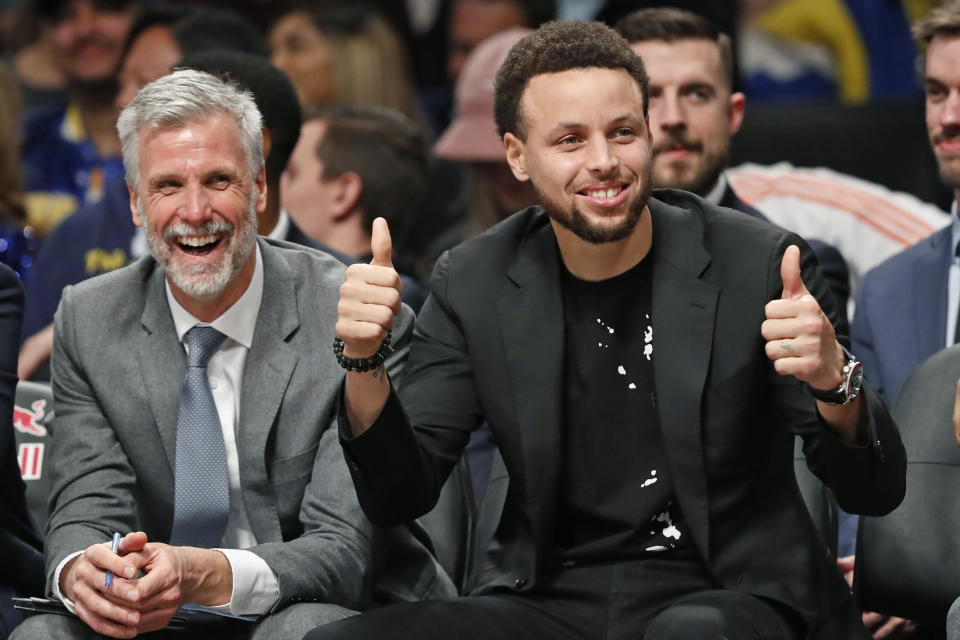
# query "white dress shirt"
(255, 588)
(953, 278)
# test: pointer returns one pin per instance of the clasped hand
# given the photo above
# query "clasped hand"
(130, 605)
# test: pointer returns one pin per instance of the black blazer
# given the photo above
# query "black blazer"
(21, 552)
(488, 345)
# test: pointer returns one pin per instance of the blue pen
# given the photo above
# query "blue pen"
(114, 547)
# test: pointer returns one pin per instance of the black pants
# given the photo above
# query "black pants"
(645, 599)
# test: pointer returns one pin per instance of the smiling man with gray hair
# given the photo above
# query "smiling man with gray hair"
(188, 417)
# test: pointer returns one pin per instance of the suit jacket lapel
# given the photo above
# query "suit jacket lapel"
(930, 278)
(534, 355)
(270, 364)
(162, 363)
(684, 312)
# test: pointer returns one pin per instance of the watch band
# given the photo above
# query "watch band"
(849, 387)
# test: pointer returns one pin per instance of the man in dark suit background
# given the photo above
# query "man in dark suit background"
(694, 114)
(21, 572)
(637, 360)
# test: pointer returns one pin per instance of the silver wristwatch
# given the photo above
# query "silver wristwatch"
(849, 387)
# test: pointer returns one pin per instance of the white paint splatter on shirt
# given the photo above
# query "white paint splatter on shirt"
(651, 480)
(670, 531)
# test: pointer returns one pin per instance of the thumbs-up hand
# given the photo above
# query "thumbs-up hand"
(369, 298)
(800, 337)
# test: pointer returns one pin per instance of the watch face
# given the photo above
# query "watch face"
(854, 382)
(856, 377)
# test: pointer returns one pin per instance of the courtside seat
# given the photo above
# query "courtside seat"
(32, 414)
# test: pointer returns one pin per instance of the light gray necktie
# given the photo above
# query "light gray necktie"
(202, 487)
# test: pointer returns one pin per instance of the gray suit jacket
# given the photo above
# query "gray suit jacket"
(117, 371)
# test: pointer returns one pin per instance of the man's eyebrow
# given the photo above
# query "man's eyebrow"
(163, 177)
(564, 126)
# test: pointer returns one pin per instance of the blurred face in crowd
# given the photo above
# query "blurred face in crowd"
(693, 114)
(152, 55)
(198, 206)
(510, 194)
(304, 192)
(88, 39)
(587, 151)
(942, 83)
(299, 49)
(473, 21)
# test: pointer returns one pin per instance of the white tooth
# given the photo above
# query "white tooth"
(197, 241)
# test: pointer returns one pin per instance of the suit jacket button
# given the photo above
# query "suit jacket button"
(519, 583)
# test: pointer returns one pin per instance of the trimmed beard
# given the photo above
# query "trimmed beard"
(205, 281)
(580, 225)
(949, 174)
(704, 178)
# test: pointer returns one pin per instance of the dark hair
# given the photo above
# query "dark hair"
(560, 46)
(941, 21)
(208, 29)
(158, 15)
(199, 29)
(272, 91)
(56, 10)
(389, 152)
(670, 25)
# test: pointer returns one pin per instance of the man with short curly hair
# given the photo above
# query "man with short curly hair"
(636, 355)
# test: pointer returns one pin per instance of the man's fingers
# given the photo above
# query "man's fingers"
(793, 286)
(364, 292)
(158, 579)
(100, 556)
(892, 628)
(103, 616)
(156, 620)
(133, 541)
(381, 246)
(373, 274)
(782, 328)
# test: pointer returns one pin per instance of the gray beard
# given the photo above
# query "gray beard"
(206, 281)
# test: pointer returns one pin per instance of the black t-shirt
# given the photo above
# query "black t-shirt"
(616, 496)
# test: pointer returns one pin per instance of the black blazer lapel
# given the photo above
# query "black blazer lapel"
(531, 321)
(684, 313)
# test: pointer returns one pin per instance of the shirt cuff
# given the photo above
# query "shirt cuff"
(255, 589)
(67, 602)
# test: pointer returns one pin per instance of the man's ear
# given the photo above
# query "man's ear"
(134, 211)
(347, 188)
(261, 181)
(267, 143)
(738, 103)
(516, 156)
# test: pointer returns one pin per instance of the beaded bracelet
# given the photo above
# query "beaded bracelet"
(362, 364)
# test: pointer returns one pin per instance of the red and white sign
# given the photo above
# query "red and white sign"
(27, 421)
(31, 460)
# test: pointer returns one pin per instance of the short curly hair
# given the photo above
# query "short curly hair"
(560, 46)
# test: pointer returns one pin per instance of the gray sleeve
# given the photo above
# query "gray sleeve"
(92, 481)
